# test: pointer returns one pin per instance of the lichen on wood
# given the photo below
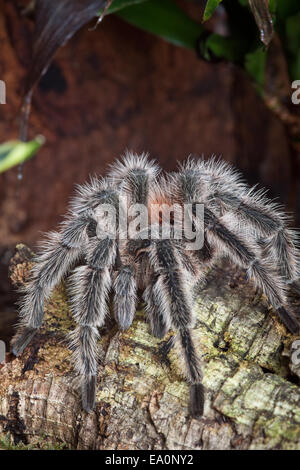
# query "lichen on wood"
(252, 392)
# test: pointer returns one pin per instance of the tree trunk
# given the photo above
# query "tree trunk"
(252, 400)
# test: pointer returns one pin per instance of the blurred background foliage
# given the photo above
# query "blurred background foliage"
(241, 34)
(15, 152)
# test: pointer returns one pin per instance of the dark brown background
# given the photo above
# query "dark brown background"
(117, 88)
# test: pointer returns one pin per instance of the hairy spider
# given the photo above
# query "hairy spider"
(239, 223)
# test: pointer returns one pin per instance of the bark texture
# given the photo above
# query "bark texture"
(252, 396)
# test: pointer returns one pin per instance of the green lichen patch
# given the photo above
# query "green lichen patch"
(42, 443)
(57, 312)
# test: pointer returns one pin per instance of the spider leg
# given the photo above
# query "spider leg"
(125, 296)
(164, 349)
(198, 182)
(58, 255)
(90, 195)
(265, 217)
(157, 308)
(295, 286)
(134, 173)
(89, 291)
(251, 211)
(177, 308)
(194, 373)
(270, 282)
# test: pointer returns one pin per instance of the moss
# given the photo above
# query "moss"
(7, 443)
(57, 313)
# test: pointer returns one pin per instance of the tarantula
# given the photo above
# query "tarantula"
(239, 223)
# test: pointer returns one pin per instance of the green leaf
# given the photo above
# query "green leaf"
(286, 8)
(120, 4)
(288, 28)
(292, 33)
(15, 152)
(223, 48)
(164, 19)
(272, 6)
(255, 64)
(210, 7)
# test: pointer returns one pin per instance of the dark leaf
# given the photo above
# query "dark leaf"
(120, 4)
(55, 23)
(255, 64)
(288, 28)
(165, 19)
(219, 47)
(286, 8)
(292, 42)
(272, 6)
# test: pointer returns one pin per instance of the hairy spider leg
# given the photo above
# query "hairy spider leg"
(187, 188)
(262, 275)
(125, 296)
(135, 175)
(58, 255)
(89, 291)
(275, 238)
(253, 211)
(157, 305)
(172, 294)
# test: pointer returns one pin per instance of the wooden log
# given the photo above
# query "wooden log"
(252, 396)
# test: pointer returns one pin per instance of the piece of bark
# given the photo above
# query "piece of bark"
(252, 401)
